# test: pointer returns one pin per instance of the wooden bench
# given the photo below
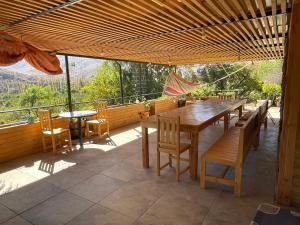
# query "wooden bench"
(231, 150)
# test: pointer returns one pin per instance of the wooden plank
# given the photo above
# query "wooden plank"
(290, 111)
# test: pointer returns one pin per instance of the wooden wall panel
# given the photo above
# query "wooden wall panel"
(165, 105)
(124, 115)
(23, 140)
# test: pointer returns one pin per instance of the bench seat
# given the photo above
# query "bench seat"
(225, 150)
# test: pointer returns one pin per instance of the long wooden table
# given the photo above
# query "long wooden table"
(193, 118)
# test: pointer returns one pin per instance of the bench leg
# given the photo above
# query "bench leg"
(238, 181)
(203, 173)
(158, 163)
(170, 160)
(177, 167)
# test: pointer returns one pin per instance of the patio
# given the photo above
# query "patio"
(106, 184)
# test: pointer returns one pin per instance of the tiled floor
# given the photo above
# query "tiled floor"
(106, 184)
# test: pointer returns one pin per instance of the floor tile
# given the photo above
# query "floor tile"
(182, 205)
(69, 177)
(29, 195)
(98, 215)
(14, 179)
(5, 214)
(17, 221)
(134, 199)
(57, 210)
(96, 187)
(122, 172)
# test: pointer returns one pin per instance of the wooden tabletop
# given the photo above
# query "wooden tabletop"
(198, 114)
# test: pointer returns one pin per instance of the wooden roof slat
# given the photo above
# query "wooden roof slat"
(185, 31)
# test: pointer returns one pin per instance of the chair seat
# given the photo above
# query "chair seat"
(56, 131)
(100, 121)
(183, 147)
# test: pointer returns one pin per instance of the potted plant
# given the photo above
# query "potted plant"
(147, 104)
(181, 101)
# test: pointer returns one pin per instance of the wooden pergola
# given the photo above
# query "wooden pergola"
(157, 31)
(177, 32)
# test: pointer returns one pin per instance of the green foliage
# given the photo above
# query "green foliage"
(205, 91)
(188, 73)
(254, 96)
(147, 104)
(272, 91)
(106, 83)
(37, 95)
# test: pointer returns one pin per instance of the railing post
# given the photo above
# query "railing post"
(68, 84)
(121, 82)
(140, 77)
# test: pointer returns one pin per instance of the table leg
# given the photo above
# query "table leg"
(226, 122)
(145, 147)
(194, 166)
(80, 132)
(240, 110)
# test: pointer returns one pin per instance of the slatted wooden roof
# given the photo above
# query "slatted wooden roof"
(157, 31)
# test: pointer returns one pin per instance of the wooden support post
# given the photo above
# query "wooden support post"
(290, 118)
(68, 84)
(145, 147)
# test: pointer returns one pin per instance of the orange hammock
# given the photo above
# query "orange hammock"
(176, 85)
(12, 50)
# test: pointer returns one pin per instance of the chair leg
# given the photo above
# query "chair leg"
(266, 123)
(44, 143)
(170, 160)
(177, 167)
(99, 130)
(107, 128)
(53, 143)
(158, 163)
(190, 160)
(70, 141)
(238, 181)
(87, 130)
(203, 173)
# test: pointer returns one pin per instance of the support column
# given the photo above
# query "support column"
(68, 84)
(290, 121)
(121, 82)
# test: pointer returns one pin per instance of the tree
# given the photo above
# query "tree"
(106, 83)
(37, 95)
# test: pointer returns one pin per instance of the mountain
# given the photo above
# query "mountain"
(83, 67)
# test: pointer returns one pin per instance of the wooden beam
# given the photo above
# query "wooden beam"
(290, 111)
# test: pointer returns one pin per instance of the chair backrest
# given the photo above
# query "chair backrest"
(168, 133)
(263, 108)
(101, 109)
(248, 135)
(226, 97)
(46, 120)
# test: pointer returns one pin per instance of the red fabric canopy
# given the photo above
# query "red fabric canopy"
(12, 50)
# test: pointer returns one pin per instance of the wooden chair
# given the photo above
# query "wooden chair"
(168, 141)
(100, 121)
(56, 134)
(231, 150)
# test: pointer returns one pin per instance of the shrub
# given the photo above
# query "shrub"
(204, 91)
(254, 96)
(272, 91)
